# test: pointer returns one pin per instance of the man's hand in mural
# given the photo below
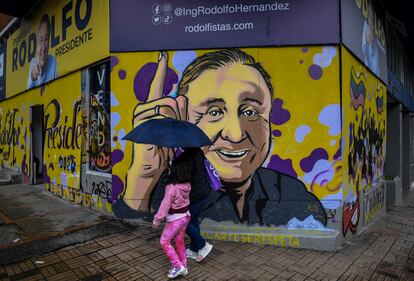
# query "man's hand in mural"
(150, 161)
(36, 71)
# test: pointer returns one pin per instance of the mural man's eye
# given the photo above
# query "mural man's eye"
(215, 113)
(249, 112)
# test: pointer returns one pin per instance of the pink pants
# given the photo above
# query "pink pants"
(175, 230)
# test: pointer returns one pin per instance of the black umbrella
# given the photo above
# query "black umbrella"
(168, 132)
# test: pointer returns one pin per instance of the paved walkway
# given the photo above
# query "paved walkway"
(33, 222)
(384, 252)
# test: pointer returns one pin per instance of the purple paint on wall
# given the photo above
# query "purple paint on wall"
(306, 164)
(279, 115)
(122, 74)
(25, 137)
(46, 178)
(144, 77)
(284, 166)
(117, 184)
(276, 133)
(351, 133)
(24, 166)
(338, 154)
(114, 61)
(117, 156)
(315, 72)
(117, 188)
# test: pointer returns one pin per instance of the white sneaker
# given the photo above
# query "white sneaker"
(191, 254)
(175, 272)
(203, 252)
(184, 273)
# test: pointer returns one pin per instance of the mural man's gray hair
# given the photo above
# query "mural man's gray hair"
(45, 20)
(219, 59)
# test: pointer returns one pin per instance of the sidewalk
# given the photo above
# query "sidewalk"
(33, 222)
(383, 252)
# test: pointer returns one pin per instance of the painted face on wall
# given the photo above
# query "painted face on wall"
(232, 106)
(43, 43)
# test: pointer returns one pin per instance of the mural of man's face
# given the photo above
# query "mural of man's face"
(232, 106)
(43, 43)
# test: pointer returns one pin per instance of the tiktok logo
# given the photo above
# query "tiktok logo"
(161, 13)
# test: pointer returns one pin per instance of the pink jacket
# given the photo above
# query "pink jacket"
(177, 196)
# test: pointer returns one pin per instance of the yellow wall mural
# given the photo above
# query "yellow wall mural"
(61, 102)
(364, 130)
(290, 153)
(15, 135)
(63, 123)
(273, 115)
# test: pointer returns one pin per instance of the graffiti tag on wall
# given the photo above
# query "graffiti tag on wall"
(374, 203)
(58, 134)
(9, 135)
(62, 131)
(14, 134)
(71, 194)
(365, 120)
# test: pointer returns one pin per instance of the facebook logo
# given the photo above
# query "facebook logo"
(156, 9)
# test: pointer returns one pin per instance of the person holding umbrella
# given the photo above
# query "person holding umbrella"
(200, 191)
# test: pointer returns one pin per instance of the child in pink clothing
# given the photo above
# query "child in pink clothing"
(174, 208)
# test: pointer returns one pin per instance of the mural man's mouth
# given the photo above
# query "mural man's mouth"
(233, 154)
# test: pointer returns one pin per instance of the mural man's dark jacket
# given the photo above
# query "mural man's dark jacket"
(272, 199)
(200, 184)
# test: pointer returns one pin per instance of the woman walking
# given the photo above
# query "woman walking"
(175, 208)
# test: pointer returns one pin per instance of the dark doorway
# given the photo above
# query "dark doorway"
(37, 141)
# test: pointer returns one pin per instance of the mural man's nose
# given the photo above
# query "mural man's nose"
(233, 131)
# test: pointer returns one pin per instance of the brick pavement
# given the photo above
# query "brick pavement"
(383, 252)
